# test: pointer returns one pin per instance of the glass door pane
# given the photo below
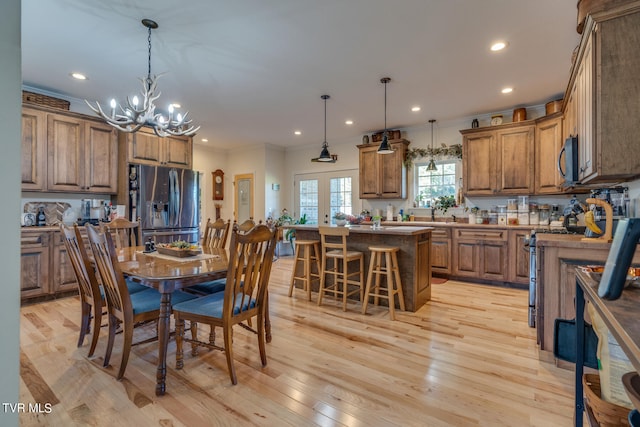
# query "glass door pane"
(308, 196)
(321, 195)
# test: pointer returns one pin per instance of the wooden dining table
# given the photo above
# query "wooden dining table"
(168, 274)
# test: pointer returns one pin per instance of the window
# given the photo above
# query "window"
(340, 196)
(433, 184)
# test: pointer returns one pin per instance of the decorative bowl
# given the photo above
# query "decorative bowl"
(177, 252)
(341, 222)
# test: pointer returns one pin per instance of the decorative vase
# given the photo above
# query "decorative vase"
(365, 139)
(341, 222)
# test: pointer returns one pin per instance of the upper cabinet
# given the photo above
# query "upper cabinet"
(498, 160)
(145, 147)
(602, 97)
(548, 144)
(67, 152)
(383, 176)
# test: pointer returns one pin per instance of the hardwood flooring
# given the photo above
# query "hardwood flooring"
(467, 358)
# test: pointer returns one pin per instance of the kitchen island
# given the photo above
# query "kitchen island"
(413, 258)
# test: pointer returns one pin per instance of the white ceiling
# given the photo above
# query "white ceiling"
(253, 71)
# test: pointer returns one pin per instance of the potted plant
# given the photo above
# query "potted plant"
(445, 202)
(341, 219)
(365, 215)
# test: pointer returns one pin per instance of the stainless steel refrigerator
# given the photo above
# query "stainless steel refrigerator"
(167, 201)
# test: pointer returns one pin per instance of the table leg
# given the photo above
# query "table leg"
(163, 342)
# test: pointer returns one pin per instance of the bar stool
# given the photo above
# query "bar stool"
(339, 254)
(303, 255)
(392, 273)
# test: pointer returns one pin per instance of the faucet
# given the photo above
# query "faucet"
(453, 218)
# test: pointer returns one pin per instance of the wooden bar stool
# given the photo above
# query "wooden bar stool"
(307, 253)
(334, 247)
(392, 273)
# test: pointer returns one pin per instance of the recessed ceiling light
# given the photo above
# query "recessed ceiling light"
(507, 90)
(498, 46)
(205, 140)
(297, 132)
(348, 122)
(176, 105)
(415, 109)
(78, 76)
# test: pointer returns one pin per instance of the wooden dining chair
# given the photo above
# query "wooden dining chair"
(216, 233)
(335, 258)
(122, 307)
(244, 297)
(91, 300)
(124, 233)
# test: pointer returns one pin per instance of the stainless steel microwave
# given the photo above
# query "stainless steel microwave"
(568, 165)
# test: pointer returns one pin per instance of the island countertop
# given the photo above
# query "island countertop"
(400, 230)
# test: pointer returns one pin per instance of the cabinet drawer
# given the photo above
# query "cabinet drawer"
(440, 233)
(478, 234)
(34, 239)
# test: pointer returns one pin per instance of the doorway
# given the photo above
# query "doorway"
(321, 195)
(243, 200)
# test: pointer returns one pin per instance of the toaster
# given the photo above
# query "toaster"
(28, 219)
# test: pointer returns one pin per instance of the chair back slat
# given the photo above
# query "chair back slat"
(333, 238)
(124, 233)
(251, 256)
(85, 274)
(113, 282)
(216, 233)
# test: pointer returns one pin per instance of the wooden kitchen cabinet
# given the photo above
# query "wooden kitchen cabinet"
(548, 144)
(518, 266)
(34, 150)
(480, 253)
(499, 161)
(383, 176)
(64, 151)
(82, 155)
(145, 147)
(441, 250)
(34, 264)
(63, 278)
(603, 91)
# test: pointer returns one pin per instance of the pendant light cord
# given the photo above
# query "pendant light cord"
(385, 107)
(325, 120)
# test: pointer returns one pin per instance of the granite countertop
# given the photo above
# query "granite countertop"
(451, 224)
(570, 241)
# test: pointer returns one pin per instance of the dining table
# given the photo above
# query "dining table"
(167, 273)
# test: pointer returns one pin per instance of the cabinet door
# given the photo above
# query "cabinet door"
(479, 163)
(64, 278)
(178, 152)
(518, 257)
(101, 158)
(493, 260)
(369, 173)
(392, 176)
(65, 151)
(440, 251)
(144, 148)
(515, 160)
(467, 258)
(548, 145)
(480, 253)
(34, 264)
(34, 146)
(585, 113)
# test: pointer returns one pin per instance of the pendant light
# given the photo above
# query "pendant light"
(325, 156)
(432, 164)
(384, 147)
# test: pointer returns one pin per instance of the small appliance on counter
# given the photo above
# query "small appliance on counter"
(27, 219)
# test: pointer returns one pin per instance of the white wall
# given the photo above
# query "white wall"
(206, 160)
(10, 113)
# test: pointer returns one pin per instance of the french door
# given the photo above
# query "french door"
(320, 196)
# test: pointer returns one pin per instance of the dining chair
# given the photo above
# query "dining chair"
(123, 307)
(216, 233)
(244, 297)
(91, 300)
(335, 258)
(124, 233)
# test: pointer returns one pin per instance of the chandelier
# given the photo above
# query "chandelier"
(135, 114)
(384, 147)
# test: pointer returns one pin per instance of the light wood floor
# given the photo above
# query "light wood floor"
(466, 358)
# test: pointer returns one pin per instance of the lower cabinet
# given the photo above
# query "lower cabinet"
(441, 250)
(518, 257)
(480, 253)
(44, 264)
(34, 264)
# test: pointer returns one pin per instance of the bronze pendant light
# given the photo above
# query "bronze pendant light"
(325, 156)
(384, 147)
(432, 164)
